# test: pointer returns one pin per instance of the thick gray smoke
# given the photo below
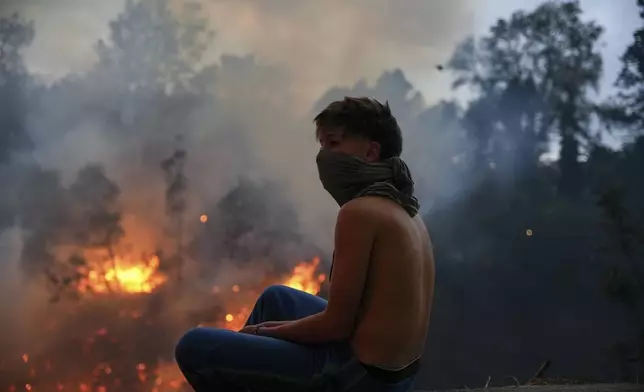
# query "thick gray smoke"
(131, 89)
(152, 136)
(319, 44)
(300, 50)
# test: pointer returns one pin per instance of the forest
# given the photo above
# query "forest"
(540, 256)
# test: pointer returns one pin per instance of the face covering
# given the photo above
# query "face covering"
(347, 177)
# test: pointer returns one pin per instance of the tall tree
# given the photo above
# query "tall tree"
(175, 200)
(631, 78)
(535, 71)
(15, 35)
(154, 46)
(625, 279)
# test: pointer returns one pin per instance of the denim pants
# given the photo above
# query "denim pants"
(214, 360)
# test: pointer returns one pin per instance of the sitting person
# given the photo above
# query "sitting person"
(371, 333)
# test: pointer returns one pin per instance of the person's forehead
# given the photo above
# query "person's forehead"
(323, 132)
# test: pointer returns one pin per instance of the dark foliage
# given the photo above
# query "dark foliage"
(538, 257)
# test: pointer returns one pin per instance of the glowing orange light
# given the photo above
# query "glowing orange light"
(304, 277)
(124, 275)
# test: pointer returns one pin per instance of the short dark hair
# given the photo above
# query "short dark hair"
(363, 117)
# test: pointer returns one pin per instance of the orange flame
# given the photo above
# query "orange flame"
(303, 277)
(143, 276)
(124, 276)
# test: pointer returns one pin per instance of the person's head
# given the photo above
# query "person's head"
(362, 127)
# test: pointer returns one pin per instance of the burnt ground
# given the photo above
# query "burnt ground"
(559, 388)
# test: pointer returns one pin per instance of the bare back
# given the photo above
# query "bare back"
(397, 299)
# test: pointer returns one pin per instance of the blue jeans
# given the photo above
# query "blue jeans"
(215, 360)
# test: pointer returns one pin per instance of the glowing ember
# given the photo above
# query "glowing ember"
(124, 276)
(203, 218)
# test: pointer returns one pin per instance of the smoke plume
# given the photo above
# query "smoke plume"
(193, 154)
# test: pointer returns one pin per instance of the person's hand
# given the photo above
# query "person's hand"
(273, 323)
(252, 329)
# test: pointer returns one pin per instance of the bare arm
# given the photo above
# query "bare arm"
(354, 238)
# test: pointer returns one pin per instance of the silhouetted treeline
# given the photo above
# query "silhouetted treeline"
(539, 255)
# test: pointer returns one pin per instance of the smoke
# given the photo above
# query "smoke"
(324, 44)
(320, 44)
(291, 53)
(244, 117)
(10, 249)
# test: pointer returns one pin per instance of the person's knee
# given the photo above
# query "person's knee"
(188, 346)
(185, 346)
(274, 291)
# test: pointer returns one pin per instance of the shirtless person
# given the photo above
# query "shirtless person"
(371, 333)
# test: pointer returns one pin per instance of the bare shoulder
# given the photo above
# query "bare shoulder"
(368, 208)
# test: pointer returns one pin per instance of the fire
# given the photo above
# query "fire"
(303, 277)
(109, 355)
(123, 275)
(203, 218)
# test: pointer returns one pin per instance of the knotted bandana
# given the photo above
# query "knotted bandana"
(347, 177)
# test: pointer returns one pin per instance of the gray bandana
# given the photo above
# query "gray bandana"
(347, 177)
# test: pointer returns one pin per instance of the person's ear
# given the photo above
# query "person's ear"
(373, 152)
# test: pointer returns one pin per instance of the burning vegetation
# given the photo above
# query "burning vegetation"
(117, 339)
(113, 270)
(112, 314)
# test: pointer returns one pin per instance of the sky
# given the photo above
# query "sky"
(321, 43)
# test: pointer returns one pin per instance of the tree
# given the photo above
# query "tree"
(42, 210)
(95, 212)
(15, 35)
(175, 200)
(152, 47)
(535, 70)
(630, 101)
(624, 282)
(250, 223)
